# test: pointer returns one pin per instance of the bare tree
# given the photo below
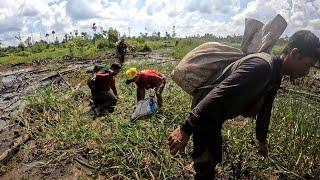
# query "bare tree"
(47, 37)
(28, 41)
(174, 31)
(145, 32)
(19, 37)
(76, 32)
(53, 33)
(94, 27)
(84, 35)
(70, 36)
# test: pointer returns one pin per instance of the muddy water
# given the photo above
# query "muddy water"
(152, 58)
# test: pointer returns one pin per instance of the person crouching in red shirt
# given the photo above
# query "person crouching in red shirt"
(103, 89)
(147, 79)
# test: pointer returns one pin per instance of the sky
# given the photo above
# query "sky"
(35, 18)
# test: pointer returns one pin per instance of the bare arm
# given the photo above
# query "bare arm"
(140, 93)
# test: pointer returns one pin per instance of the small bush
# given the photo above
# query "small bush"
(23, 53)
(102, 43)
(141, 40)
(38, 47)
(21, 46)
(146, 48)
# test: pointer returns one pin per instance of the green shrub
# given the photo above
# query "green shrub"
(102, 43)
(38, 47)
(23, 53)
(21, 46)
(146, 48)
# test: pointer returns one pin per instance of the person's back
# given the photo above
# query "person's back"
(122, 48)
(147, 79)
(104, 80)
(150, 78)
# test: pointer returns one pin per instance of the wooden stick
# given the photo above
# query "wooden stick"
(284, 170)
(86, 164)
(11, 151)
(61, 72)
(162, 62)
(301, 93)
(66, 81)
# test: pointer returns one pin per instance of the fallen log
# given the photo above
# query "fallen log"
(49, 77)
(12, 150)
(63, 72)
(17, 72)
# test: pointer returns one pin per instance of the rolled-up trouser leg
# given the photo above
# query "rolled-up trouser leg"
(204, 170)
(207, 149)
(121, 59)
(111, 101)
(105, 99)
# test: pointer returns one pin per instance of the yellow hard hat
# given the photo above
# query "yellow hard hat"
(131, 73)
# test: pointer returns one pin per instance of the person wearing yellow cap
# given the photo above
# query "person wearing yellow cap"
(147, 79)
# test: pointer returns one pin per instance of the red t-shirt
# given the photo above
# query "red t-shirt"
(104, 81)
(150, 79)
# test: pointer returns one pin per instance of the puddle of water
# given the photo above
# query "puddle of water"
(8, 80)
(16, 71)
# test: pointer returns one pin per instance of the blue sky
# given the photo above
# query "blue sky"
(35, 18)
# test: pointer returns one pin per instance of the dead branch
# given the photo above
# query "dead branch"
(162, 62)
(284, 170)
(314, 96)
(16, 72)
(11, 151)
(86, 164)
(66, 81)
(57, 73)
(151, 174)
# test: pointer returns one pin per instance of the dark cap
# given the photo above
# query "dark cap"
(115, 66)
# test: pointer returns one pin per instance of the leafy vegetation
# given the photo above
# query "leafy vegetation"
(116, 148)
(121, 149)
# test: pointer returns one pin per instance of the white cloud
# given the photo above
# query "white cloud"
(213, 6)
(190, 17)
(296, 12)
(83, 9)
(9, 23)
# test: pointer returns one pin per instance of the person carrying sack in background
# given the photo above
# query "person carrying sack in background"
(121, 51)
